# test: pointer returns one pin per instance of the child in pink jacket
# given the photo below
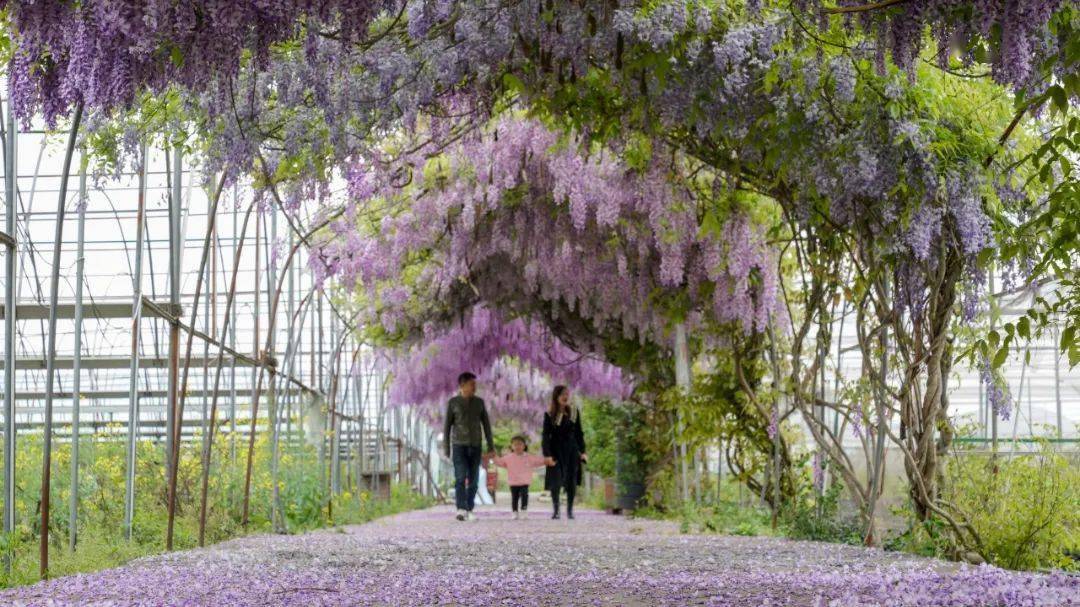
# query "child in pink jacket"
(519, 470)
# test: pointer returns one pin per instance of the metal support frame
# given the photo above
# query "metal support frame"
(162, 418)
(99, 310)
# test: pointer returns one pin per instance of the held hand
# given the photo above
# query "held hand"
(549, 462)
(584, 457)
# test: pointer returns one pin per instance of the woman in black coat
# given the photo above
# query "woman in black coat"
(564, 442)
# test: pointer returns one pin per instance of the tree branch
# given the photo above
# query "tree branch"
(862, 8)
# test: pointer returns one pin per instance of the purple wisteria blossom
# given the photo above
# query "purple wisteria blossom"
(997, 393)
(517, 362)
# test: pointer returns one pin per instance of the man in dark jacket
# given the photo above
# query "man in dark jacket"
(466, 426)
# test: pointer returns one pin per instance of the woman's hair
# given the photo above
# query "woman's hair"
(555, 410)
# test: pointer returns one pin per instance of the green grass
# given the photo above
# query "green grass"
(304, 497)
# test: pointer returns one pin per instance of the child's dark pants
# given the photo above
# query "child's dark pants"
(519, 493)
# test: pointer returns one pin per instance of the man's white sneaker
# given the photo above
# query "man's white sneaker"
(517, 517)
(461, 515)
(470, 516)
(523, 515)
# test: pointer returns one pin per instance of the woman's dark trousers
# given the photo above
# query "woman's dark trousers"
(571, 491)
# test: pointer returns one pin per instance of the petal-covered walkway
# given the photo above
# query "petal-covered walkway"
(427, 558)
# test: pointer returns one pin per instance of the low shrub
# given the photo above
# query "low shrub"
(304, 498)
(1026, 508)
(815, 516)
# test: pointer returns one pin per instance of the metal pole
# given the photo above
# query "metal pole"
(335, 424)
(255, 339)
(293, 346)
(232, 343)
(1057, 384)
(291, 310)
(80, 262)
(50, 361)
(982, 418)
(361, 405)
(175, 204)
(682, 380)
(993, 414)
(272, 404)
(10, 265)
(320, 337)
(133, 385)
(380, 432)
(211, 219)
(211, 279)
(271, 367)
(230, 299)
(256, 373)
(319, 383)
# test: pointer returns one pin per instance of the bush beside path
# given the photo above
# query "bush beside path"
(427, 558)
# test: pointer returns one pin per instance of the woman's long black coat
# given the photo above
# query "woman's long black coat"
(565, 442)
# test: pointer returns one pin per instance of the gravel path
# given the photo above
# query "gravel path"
(427, 558)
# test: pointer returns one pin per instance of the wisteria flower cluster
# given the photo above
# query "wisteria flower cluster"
(520, 211)
(517, 363)
(1022, 32)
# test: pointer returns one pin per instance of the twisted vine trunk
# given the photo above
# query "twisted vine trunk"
(920, 416)
(925, 433)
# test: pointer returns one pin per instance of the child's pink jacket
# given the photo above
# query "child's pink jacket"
(519, 468)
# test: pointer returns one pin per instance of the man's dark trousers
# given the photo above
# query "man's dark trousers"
(466, 467)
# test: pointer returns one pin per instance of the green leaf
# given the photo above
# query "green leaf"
(1001, 357)
(1067, 337)
(177, 56)
(1023, 327)
(513, 83)
(1061, 100)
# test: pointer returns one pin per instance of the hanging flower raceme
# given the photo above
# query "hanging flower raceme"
(521, 214)
(105, 52)
(517, 363)
(1023, 32)
(513, 392)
